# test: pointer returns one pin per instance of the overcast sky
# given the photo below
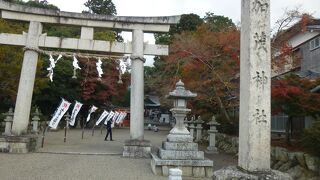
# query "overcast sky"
(229, 8)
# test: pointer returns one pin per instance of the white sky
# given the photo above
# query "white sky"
(228, 8)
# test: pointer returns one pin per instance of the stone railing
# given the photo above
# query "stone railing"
(299, 165)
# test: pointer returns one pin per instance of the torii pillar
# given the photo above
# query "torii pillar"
(26, 83)
(137, 146)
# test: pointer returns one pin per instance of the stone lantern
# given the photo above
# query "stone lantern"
(8, 120)
(199, 123)
(180, 110)
(35, 121)
(179, 150)
(212, 137)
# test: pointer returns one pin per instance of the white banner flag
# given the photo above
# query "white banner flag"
(123, 116)
(102, 117)
(119, 117)
(111, 113)
(58, 114)
(116, 114)
(92, 110)
(75, 112)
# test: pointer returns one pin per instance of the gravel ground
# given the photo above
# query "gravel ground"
(88, 158)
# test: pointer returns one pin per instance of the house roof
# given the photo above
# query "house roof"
(316, 89)
(310, 74)
(151, 101)
(313, 24)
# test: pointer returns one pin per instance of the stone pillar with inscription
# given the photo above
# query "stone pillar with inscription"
(255, 96)
(255, 72)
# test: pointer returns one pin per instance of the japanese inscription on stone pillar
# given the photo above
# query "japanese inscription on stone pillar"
(255, 73)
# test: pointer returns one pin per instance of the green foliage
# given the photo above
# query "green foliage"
(311, 138)
(106, 35)
(41, 4)
(218, 23)
(226, 127)
(188, 22)
(101, 7)
(62, 31)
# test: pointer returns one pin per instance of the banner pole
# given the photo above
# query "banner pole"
(67, 118)
(83, 124)
(43, 135)
(93, 128)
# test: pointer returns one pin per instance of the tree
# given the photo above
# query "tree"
(208, 63)
(188, 22)
(292, 96)
(101, 7)
(218, 23)
(104, 90)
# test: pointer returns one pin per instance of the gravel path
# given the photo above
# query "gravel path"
(88, 158)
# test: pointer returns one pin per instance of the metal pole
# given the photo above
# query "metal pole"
(67, 118)
(43, 135)
(93, 129)
(83, 124)
(65, 134)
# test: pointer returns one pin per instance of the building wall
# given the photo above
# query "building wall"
(302, 37)
(310, 58)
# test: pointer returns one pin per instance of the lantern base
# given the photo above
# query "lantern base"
(136, 149)
(18, 144)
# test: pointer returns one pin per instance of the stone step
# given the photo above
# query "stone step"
(180, 146)
(181, 155)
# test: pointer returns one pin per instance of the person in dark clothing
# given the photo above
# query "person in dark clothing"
(109, 131)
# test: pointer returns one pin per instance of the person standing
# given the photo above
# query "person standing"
(109, 131)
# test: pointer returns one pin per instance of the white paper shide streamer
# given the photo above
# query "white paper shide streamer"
(58, 114)
(111, 113)
(102, 117)
(92, 110)
(99, 69)
(52, 66)
(75, 67)
(75, 112)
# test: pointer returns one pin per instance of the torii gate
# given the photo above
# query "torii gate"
(35, 39)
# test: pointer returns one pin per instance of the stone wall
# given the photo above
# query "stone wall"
(299, 165)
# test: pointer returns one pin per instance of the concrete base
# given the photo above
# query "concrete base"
(18, 144)
(233, 172)
(211, 150)
(136, 149)
(190, 168)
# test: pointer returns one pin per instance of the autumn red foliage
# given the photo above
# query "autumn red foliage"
(101, 90)
(208, 63)
(293, 96)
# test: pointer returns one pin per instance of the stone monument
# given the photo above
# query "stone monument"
(255, 83)
(198, 128)
(212, 136)
(35, 121)
(179, 151)
(8, 120)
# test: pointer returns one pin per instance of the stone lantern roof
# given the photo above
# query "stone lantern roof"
(180, 92)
